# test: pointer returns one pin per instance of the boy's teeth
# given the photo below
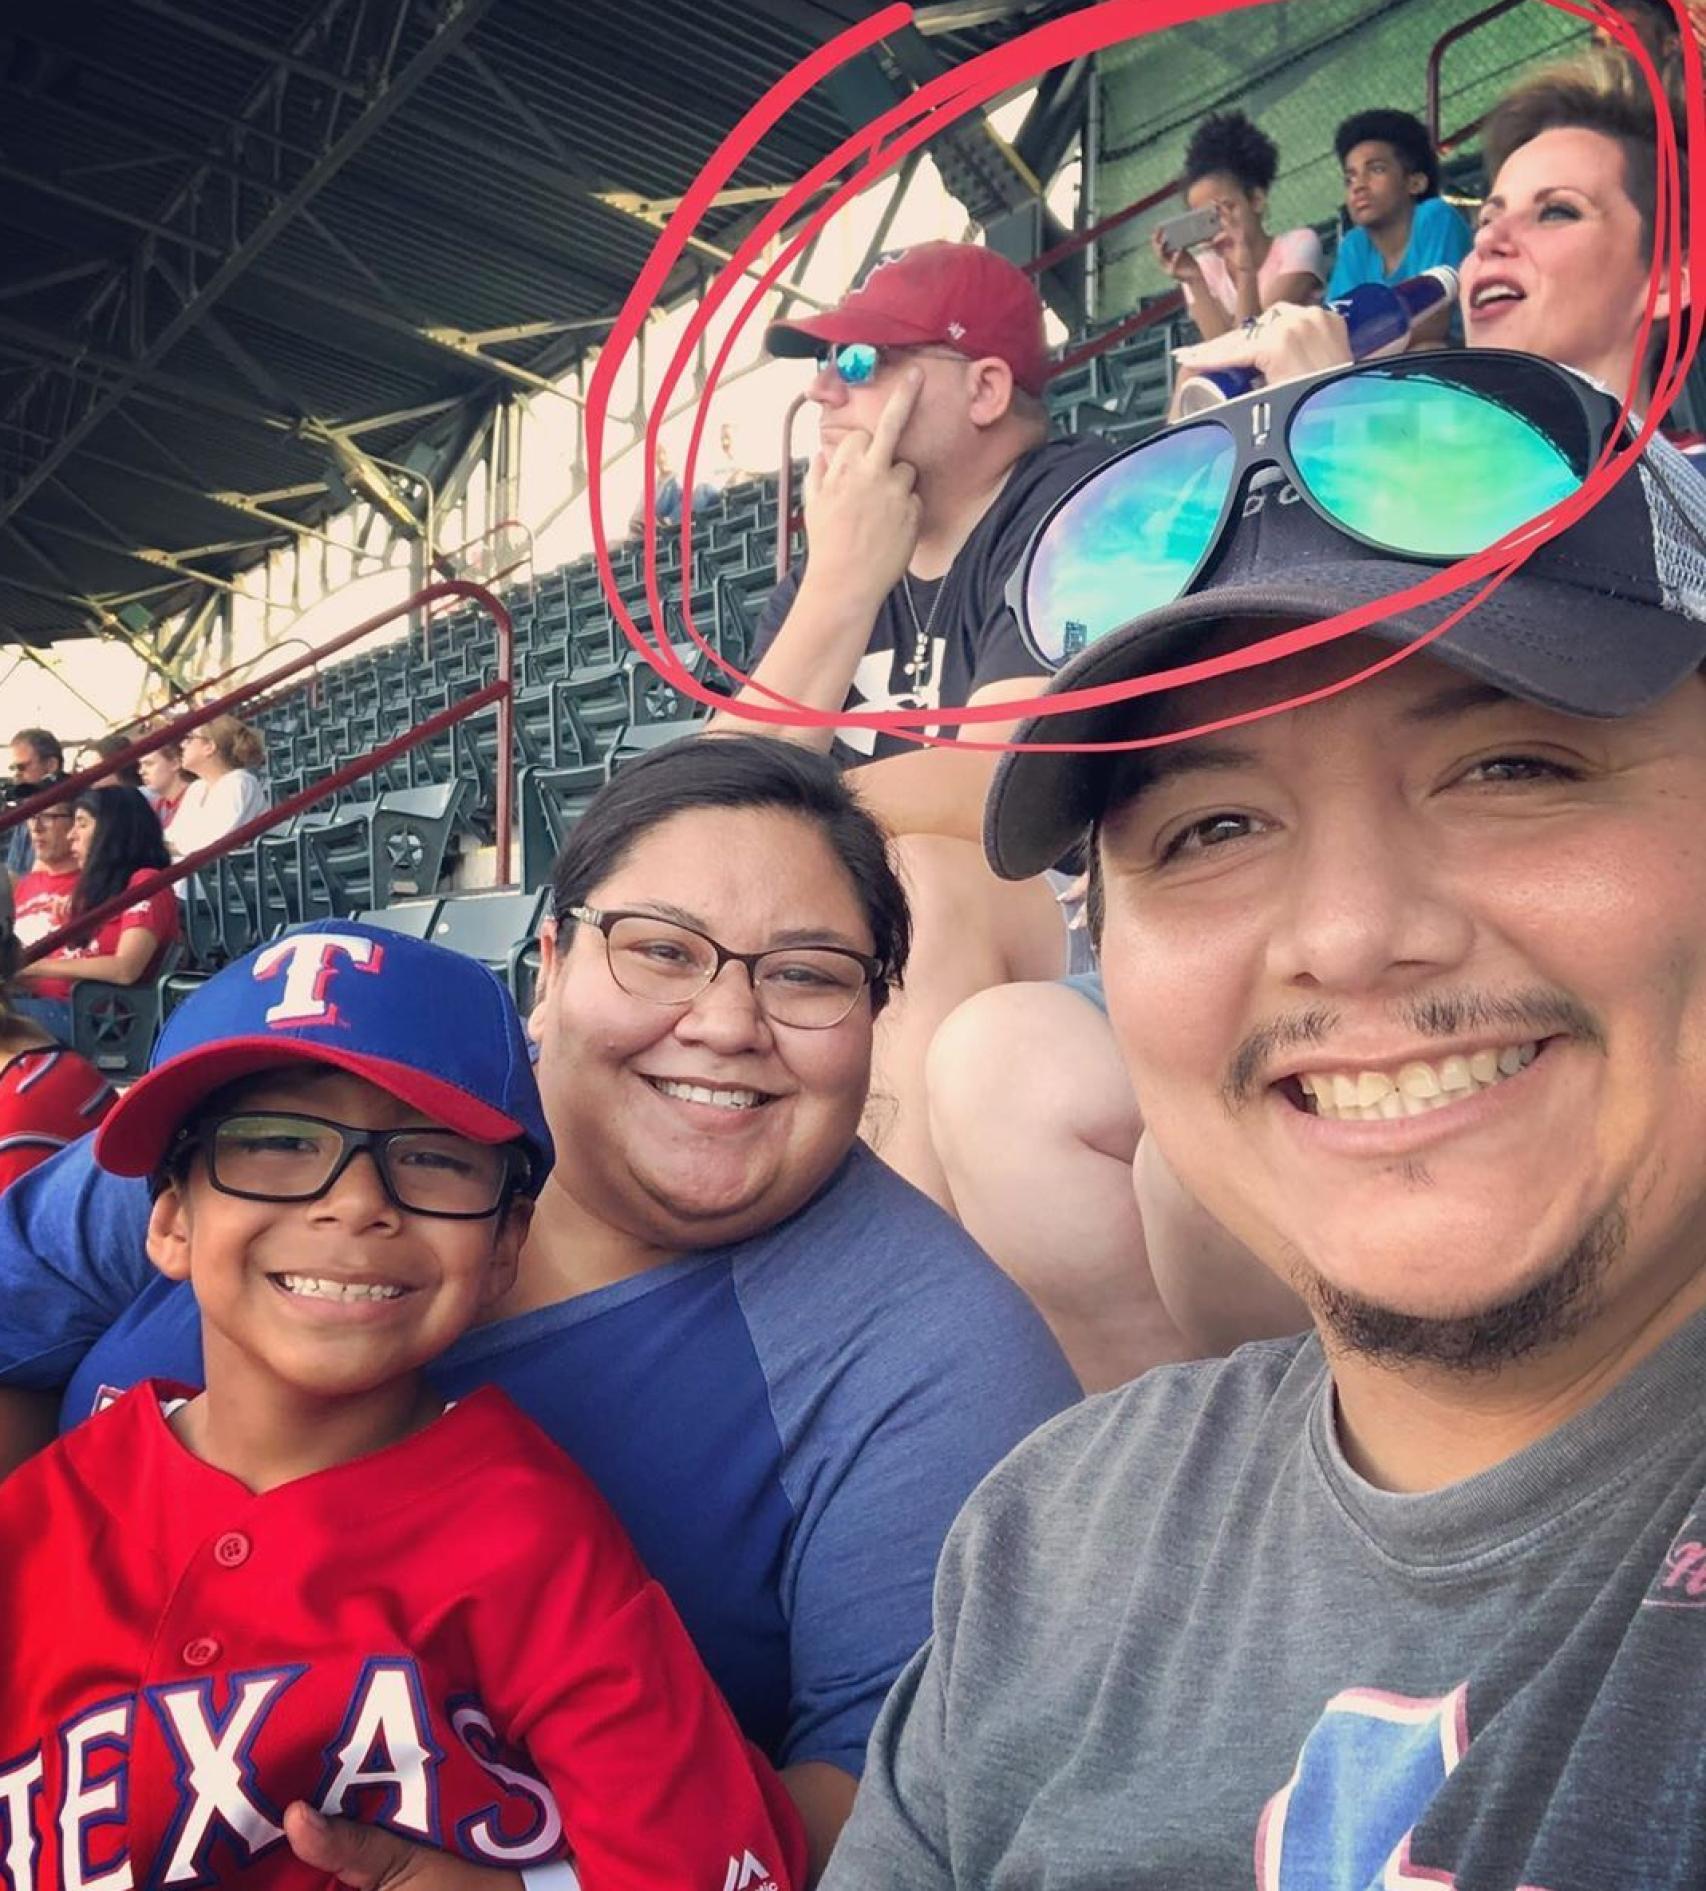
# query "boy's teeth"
(1369, 1096)
(702, 1093)
(312, 1288)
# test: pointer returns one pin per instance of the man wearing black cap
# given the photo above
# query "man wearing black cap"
(933, 465)
(1405, 958)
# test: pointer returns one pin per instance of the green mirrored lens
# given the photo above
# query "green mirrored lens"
(1129, 540)
(1431, 467)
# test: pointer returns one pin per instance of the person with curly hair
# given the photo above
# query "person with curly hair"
(1400, 225)
(1229, 167)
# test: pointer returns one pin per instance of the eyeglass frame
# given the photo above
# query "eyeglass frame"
(601, 921)
(828, 356)
(1265, 441)
(203, 1133)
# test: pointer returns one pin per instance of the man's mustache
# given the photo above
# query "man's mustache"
(1539, 1012)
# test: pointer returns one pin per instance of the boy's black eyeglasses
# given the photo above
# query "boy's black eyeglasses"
(283, 1156)
(808, 987)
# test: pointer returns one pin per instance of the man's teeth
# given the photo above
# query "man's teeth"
(311, 1288)
(1370, 1096)
(1496, 292)
(702, 1093)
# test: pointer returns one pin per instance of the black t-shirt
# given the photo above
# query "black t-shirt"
(973, 638)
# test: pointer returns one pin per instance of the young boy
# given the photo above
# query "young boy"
(312, 1584)
(1400, 225)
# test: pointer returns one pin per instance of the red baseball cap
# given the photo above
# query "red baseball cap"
(958, 295)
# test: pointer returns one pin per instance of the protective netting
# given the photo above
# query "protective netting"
(1297, 68)
(1676, 497)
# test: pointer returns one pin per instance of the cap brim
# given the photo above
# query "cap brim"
(809, 335)
(138, 1130)
(1544, 642)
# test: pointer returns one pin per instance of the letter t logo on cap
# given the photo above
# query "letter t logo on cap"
(309, 970)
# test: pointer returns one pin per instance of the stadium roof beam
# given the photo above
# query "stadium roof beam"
(204, 28)
(458, 20)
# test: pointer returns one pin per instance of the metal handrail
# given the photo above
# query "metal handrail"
(73, 785)
(195, 689)
(91, 921)
(1082, 239)
(1162, 309)
(1436, 59)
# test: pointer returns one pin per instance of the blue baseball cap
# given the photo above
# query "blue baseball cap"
(435, 1029)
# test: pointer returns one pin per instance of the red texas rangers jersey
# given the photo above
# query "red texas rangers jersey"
(452, 1638)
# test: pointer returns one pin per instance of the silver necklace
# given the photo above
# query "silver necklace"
(921, 666)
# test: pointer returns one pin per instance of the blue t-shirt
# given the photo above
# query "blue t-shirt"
(787, 1426)
(1437, 235)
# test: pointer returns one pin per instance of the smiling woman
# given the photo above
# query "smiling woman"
(783, 1367)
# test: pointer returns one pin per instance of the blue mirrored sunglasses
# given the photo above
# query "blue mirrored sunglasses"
(855, 362)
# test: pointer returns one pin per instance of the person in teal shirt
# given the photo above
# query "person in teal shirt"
(1400, 225)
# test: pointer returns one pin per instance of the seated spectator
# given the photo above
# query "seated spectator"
(117, 842)
(666, 498)
(165, 781)
(1563, 248)
(222, 755)
(1229, 167)
(934, 464)
(48, 1095)
(1407, 975)
(103, 748)
(1400, 225)
(783, 1368)
(42, 896)
(37, 762)
(727, 470)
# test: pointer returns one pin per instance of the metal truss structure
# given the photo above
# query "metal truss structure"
(266, 257)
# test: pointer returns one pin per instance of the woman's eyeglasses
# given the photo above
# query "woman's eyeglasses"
(808, 987)
(1431, 458)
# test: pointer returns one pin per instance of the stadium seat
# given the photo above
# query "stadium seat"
(635, 739)
(491, 927)
(409, 835)
(551, 801)
(114, 1026)
(415, 917)
(338, 860)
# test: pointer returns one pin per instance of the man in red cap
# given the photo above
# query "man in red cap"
(933, 465)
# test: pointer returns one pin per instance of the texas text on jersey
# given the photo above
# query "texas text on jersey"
(420, 1638)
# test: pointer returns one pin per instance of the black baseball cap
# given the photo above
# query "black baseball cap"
(1604, 619)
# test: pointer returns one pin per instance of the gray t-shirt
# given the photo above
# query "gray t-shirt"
(1180, 1644)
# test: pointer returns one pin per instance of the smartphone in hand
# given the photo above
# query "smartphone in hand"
(1186, 232)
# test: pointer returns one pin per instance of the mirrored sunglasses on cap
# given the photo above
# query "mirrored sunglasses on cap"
(1431, 458)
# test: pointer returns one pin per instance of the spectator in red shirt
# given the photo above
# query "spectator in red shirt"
(116, 841)
(48, 1095)
(41, 897)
